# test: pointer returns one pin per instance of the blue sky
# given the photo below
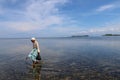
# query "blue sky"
(48, 18)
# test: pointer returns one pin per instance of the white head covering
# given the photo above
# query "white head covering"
(33, 38)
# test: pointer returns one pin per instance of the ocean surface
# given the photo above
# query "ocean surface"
(85, 58)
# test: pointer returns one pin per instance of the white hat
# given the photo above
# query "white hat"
(33, 38)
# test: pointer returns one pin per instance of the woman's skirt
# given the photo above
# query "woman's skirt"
(33, 54)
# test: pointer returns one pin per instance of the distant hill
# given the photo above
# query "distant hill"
(111, 35)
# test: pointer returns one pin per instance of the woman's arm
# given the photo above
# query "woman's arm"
(38, 48)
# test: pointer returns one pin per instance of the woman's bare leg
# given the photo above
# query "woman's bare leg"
(33, 64)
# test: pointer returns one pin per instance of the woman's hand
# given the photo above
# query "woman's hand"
(38, 53)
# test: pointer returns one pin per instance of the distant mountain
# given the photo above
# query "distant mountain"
(111, 35)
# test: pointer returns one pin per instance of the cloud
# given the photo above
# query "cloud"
(105, 7)
(35, 15)
(81, 30)
(44, 16)
(67, 29)
(26, 26)
(109, 28)
(20, 26)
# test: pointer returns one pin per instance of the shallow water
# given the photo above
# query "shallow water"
(89, 58)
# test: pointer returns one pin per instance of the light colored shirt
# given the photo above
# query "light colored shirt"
(36, 45)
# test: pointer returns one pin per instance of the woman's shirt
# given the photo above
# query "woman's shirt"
(36, 45)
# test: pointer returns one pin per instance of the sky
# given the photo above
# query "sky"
(58, 18)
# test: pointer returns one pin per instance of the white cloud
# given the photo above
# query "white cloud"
(105, 7)
(111, 28)
(66, 30)
(23, 26)
(72, 30)
(36, 15)
(40, 14)
(44, 11)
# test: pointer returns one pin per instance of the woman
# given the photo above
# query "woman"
(35, 53)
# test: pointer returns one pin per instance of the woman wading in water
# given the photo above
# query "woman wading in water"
(35, 53)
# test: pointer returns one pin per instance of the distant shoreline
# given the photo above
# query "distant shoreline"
(111, 35)
(47, 37)
(73, 36)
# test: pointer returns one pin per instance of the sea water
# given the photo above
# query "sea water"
(84, 58)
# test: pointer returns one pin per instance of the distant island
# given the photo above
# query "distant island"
(80, 36)
(111, 35)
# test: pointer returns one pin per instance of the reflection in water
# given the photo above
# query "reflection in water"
(36, 70)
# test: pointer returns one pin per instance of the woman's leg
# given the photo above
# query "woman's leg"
(33, 64)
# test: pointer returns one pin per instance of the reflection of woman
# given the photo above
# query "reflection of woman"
(37, 71)
(35, 53)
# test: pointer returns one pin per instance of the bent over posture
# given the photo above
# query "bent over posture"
(35, 53)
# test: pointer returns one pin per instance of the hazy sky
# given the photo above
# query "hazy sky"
(46, 18)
